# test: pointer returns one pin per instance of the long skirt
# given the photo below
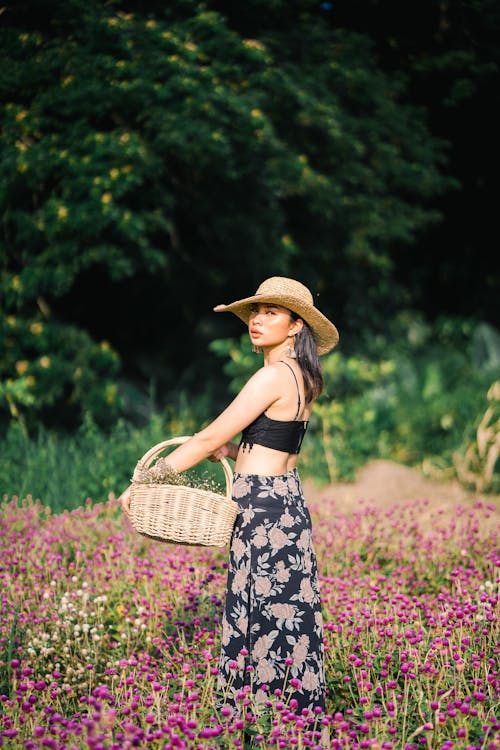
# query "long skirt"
(272, 628)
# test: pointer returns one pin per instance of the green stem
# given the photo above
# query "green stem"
(7, 688)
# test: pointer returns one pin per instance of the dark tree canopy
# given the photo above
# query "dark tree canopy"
(159, 158)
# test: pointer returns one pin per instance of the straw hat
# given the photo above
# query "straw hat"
(295, 297)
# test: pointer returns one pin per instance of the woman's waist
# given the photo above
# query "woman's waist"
(284, 475)
(264, 461)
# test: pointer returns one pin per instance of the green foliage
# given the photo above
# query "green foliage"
(416, 396)
(52, 367)
(477, 463)
(241, 362)
(154, 147)
(63, 470)
(426, 402)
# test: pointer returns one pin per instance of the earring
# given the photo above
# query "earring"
(257, 349)
(290, 350)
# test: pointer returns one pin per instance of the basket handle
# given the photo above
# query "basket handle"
(148, 457)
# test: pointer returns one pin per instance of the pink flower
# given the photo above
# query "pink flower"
(259, 541)
(238, 548)
(280, 487)
(262, 586)
(308, 561)
(247, 515)
(227, 631)
(239, 580)
(242, 624)
(241, 487)
(300, 650)
(287, 520)
(282, 610)
(282, 573)
(304, 541)
(306, 591)
(309, 680)
(277, 538)
(265, 671)
(261, 648)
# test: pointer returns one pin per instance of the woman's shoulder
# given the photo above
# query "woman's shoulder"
(275, 371)
(275, 377)
(268, 376)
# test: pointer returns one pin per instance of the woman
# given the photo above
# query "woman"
(272, 632)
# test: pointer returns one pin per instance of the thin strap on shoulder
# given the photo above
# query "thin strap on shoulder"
(297, 384)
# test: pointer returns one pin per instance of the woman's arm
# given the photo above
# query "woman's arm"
(261, 390)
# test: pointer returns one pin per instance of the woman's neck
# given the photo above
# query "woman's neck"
(275, 354)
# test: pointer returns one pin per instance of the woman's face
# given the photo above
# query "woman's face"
(270, 325)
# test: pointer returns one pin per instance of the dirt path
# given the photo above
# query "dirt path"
(384, 484)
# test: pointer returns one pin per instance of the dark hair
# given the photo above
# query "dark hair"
(309, 362)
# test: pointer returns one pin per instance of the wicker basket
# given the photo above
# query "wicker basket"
(179, 514)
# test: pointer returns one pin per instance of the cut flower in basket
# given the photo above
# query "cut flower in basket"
(162, 473)
(158, 473)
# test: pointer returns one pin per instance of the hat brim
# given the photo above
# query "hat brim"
(324, 332)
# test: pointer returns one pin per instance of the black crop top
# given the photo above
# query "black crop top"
(281, 435)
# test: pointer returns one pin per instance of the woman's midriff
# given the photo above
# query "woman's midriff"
(264, 461)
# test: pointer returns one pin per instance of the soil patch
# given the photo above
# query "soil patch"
(385, 484)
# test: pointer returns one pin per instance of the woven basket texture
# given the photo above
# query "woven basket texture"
(177, 514)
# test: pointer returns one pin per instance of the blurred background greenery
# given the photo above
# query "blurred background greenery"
(160, 158)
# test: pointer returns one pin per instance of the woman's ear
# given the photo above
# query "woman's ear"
(296, 327)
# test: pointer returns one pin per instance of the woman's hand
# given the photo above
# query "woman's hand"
(125, 500)
(228, 450)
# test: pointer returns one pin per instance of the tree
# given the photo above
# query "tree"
(450, 56)
(158, 160)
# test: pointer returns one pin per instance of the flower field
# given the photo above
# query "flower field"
(108, 640)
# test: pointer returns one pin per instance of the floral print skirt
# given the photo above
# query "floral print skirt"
(272, 628)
